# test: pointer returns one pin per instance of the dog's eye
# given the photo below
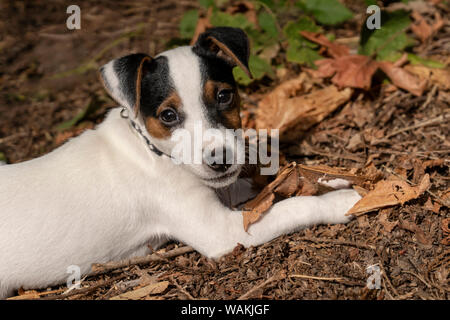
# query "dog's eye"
(224, 97)
(169, 116)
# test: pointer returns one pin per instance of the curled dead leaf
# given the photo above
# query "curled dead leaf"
(389, 193)
(403, 79)
(155, 288)
(419, 233)
(439, 77)
(354, 71)
(293, 116)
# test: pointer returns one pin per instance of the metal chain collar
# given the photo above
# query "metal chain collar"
(136, 127)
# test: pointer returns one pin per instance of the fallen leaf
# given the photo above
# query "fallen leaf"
(294, 116)
(439, 77)
(245, 7)
(411, 226)
(264, 204)
(432, 206)
(383, 219)
(322, 174)
(254, 209)
(354, 71)
(389, 193)
(155, 288)
(420, 27)
(289, 185)
(308, 188)
(403, 79)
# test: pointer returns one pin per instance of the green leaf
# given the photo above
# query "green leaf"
(206, 3)
(2, 157)
(258, 67)
(414, 59)
(299, 52)
(222, 19)
(328, 12)
(267, 22)
(292, 29)
(390, 40)
(188, 24)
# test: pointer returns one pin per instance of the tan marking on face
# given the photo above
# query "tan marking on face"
(231, 118)
(154, 125)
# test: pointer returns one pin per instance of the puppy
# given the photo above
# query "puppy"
(109, 193)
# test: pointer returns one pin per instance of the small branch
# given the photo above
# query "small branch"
(187, 294)
(438, 120)
(340, 242)
(249, 293)
(100, 268)
(12, 137)
(86, 289)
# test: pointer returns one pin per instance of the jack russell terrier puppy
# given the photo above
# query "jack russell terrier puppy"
(109, 193)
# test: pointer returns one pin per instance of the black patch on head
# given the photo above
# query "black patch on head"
(126, 69)
(215, 69)
(233, 39)
(156, 86)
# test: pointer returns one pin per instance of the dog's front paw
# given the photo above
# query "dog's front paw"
(337, 204)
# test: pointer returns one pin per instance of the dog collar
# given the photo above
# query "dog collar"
(138, 129)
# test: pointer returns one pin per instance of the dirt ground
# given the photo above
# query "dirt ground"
(48, 76)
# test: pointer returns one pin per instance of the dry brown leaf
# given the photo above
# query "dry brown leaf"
(432, 206)
(289, 186)
(360, 177)
(445, 225)
(256, 212)
(439, 77)
(254, 209)
(383, 219)
(389, 193)
(354, 71)
(307, 188)
(155, 288)
(403, 79)
(245, 7)
(294, 116)
(420, 27)
(411, 226)
(334, 49)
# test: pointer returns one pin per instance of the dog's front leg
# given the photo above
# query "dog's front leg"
(215, 230)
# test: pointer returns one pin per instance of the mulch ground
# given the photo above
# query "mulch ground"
(48, 76)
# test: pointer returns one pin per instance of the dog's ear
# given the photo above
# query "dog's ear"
(226, 43)
(122, 79)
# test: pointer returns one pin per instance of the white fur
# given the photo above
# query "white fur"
(105, 196)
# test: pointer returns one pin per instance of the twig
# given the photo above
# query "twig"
(304, 276)
(386, 278)
(429, 97)
(86, 289)
(249, 293)
(12, 137)
(340, 242)
(100, 268)
(441, 119)
(187, 294)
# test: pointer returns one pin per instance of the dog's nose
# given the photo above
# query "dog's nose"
(219, 163)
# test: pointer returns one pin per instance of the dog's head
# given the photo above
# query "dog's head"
(184, 91)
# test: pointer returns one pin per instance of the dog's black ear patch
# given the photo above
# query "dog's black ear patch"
(226, 43)
(122, 79)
